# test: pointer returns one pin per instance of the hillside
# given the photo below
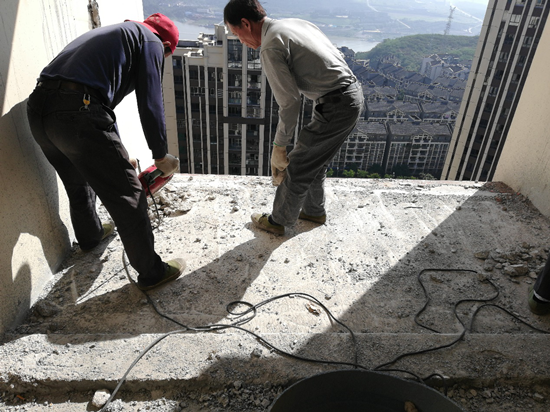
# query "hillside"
(411, 49)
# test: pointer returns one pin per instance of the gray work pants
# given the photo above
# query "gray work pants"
(334, 117)
(84, 147)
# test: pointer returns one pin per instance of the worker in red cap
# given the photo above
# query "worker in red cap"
(71, 117)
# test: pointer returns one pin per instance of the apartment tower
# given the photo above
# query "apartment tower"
(507, 44)
(226, 113)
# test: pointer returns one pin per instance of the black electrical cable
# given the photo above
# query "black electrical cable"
(458, 303)
(252, 311)
(154, 201)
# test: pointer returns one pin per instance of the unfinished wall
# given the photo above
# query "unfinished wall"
(525, 161)
(34, 218)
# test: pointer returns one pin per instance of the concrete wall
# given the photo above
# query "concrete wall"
(34, 218)
(525, 161)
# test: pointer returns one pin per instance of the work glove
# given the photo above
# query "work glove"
(168, 165)
(279, 162)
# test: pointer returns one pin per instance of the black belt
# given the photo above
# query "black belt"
(334, 96)
(68, 85)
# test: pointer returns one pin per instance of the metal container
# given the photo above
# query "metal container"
(359, 391)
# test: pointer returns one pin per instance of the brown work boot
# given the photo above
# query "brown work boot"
(261, 220)
(317, 219)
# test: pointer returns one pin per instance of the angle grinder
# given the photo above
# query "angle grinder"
(152, 181)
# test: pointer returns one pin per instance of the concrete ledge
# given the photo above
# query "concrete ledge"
(44, 364)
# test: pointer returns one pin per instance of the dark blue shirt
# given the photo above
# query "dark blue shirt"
(116, 60)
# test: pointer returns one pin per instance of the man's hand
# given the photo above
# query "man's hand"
(168, 165)
(277, 177)
(279, 162)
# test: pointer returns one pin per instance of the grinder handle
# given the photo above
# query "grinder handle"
(156, 173)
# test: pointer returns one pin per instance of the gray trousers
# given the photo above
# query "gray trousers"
(85, 149)
(334, 117)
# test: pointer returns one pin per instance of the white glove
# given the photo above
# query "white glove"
(277, 177)
(279, 158)
(168, 165)
(279, 162)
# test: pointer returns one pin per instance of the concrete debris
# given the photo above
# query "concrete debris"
(46, 308)
(100, 398)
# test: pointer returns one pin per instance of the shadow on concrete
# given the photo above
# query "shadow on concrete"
(383, 292)
(196, 297)
(29, 214)
(363, 265)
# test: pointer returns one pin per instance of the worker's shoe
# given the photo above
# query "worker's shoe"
(536, 306)
(108, 229)
(261, 220)
(317, 219)
(174, 268)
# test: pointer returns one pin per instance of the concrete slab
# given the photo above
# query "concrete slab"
(388, 247)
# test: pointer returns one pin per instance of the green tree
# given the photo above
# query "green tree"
(376, 168)
(401, 170)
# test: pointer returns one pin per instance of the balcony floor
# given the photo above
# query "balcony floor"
(384, 241)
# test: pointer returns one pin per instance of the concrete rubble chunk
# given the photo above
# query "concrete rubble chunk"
(100, 398)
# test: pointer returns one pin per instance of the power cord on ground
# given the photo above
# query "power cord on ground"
(247, 315)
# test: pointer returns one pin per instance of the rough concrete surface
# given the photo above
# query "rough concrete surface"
(407, 266)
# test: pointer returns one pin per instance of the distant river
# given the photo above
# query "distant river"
(190, 32)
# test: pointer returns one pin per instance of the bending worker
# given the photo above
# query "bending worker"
(298, 58)
(71, 117)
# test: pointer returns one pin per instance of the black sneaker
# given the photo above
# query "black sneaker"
(173, 271)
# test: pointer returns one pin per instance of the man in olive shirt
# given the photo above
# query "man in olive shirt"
(298, 59)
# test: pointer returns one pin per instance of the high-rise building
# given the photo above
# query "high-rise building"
(507, 44)
(226, 113)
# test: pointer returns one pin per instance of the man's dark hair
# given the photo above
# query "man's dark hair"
(236, 10)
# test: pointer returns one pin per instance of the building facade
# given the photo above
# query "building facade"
(226, 113)
(507, 45)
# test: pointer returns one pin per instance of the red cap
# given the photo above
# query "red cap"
(164, 27)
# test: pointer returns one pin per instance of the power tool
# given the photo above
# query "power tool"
(152, 181)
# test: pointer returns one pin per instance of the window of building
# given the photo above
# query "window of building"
(515, 19)
(234, 111)
(534, 22)
(234, 97)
